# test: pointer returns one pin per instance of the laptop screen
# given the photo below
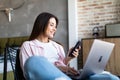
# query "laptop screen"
(97, 58)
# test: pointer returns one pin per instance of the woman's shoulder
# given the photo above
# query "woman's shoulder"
(25, 43)
(56, 43)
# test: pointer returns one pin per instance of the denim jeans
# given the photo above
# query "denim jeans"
(39, 68)
(103, 77)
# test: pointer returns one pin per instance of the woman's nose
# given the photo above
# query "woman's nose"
(54, 28)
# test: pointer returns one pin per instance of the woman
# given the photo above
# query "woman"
(42, 58)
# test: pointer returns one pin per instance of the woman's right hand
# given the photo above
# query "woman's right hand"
(67, 69)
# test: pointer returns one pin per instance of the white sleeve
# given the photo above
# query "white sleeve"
(25, 53)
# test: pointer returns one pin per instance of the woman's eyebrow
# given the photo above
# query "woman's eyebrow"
(52, 23)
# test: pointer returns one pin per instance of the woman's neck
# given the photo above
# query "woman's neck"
(43, 39)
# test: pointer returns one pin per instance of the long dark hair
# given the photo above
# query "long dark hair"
(40, 24)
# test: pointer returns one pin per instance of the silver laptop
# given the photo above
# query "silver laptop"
(97, 58)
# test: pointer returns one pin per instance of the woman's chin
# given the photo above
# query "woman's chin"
(50, 37)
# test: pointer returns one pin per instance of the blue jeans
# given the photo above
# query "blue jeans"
(103, 77)
(38, 68)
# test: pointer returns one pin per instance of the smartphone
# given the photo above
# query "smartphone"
(75, 47)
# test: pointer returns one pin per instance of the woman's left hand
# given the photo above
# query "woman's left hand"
(75, 53)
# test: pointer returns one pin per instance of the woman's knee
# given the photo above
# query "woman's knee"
(34, 67)
(38, 67)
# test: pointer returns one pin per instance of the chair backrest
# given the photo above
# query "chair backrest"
(13, 53)
(18, 69)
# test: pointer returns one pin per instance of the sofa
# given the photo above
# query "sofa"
(15, 41)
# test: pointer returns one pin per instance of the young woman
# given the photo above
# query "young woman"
(42, 58)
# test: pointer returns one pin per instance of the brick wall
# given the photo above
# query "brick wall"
(96, 13)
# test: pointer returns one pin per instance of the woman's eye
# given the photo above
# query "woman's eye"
(51, 24)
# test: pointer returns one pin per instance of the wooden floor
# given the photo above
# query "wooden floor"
(9, 76)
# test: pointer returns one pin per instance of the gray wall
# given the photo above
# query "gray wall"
(23, 18)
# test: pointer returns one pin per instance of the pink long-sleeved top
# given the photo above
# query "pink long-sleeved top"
(33, 48)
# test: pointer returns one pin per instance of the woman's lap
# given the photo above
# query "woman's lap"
(38, 68)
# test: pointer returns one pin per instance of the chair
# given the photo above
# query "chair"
(13, 55)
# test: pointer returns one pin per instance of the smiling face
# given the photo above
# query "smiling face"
(51, 28)
(49, 31)
(44, 27)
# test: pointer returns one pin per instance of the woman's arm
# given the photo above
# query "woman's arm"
(25, 53)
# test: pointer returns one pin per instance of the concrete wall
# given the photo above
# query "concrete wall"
(23, 18)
